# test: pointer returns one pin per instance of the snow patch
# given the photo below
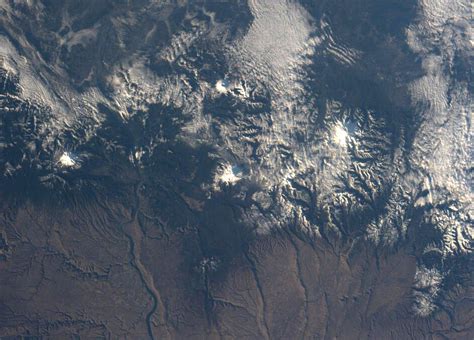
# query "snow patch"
(222, 86)
(228, 175)
(66, 160)
(340, 135)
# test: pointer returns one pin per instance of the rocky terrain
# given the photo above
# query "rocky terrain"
(262, 169)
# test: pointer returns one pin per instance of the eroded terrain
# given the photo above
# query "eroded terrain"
(268, 169)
